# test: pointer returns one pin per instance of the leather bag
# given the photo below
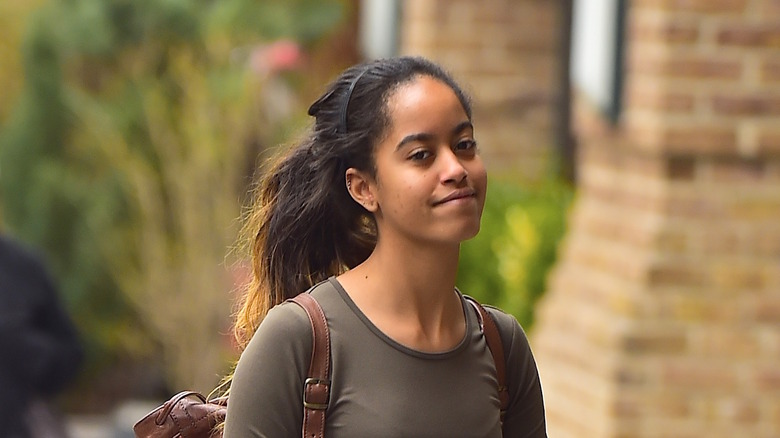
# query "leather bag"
(189, 415)
(186, 415)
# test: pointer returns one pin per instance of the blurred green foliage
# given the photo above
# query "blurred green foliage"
(507, 264)
(13, 16)
(58, 199)
(128, 149)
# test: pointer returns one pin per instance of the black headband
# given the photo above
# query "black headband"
(342, 129)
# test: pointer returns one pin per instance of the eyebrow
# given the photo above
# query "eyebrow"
(425, 136)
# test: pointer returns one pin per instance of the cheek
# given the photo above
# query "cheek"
(478, 174)
(399, 202)
(409, 185)
(395, 190)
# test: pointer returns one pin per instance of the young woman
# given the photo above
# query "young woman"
(368, 213)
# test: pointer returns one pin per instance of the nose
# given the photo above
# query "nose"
(452, 170)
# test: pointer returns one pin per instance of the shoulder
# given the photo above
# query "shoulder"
(287, 326)
(509, 328)
(285, 316)
(507, 324)
(279, 350)
(270, 373)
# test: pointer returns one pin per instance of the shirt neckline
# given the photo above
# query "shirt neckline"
(470, 324)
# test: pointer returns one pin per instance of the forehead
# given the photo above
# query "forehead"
(422, 104)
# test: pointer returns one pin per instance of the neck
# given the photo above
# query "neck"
(419, 274)
(407, 290)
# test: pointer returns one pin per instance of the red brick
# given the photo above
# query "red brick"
(672, 274)
(747, 105)
(735, 170)
(765, 244)
(648, 341)
(672, 241)
(698, 139)
(618, 158)
(687, 66)
(767, 312)
(770, 71)
(769, 142)
(724, 341)
(702, 6)
(692, 207)
(768, 377)
(719, 240)
(769, 8)
(528, 39)
(737, 277)
(698, 309)
(697, 375)
(741, 411)
(627, 407)
(664, 31)
(754, 209)
(750, 35)
(419, 11)
(491, 13)
(542, 14)
(662, 100)
(681, 168)
(668, 405)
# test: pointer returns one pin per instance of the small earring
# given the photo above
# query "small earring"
(349, 184)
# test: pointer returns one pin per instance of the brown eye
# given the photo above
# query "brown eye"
(420, 155)
(466, 145)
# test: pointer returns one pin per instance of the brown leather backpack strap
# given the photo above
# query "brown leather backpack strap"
(316, 388)
(496, 347)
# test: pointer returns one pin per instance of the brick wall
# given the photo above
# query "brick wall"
(662, 317)
(506, 53)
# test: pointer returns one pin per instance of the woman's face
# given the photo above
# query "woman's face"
(430, 181)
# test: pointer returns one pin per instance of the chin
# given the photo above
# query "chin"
(468, 232)
(471, 235)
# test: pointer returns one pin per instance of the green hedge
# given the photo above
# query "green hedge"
(507, 263)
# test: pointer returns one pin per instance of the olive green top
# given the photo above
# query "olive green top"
(381, 388)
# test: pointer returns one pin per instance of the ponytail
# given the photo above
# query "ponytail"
(303, 228)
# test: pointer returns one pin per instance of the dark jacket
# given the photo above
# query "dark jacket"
(40, 351)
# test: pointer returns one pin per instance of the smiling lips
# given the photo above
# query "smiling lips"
(466, 192)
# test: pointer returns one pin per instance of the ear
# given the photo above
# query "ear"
(362, 188)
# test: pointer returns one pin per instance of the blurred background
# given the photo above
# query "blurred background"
(632, 223)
